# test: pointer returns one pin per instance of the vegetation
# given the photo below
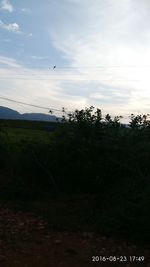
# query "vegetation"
(87, 154)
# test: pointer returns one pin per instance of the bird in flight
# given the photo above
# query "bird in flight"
(54, 67)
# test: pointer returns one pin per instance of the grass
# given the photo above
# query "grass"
(25, 124)
(15, 135)
(18, 130)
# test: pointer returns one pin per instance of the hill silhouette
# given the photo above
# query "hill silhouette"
(7, 113)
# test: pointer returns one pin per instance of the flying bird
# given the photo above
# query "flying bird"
(54, 67)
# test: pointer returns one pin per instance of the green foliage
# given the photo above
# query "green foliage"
(87, 154)
(139, 121)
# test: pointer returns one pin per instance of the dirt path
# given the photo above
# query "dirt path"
(25, 241)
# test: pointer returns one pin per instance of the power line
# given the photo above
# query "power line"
(93, 67)
(46, 108)
(27, 104)
(62, 79)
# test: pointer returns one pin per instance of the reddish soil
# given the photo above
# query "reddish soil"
(26, 241)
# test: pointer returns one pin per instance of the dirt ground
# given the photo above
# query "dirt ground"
(27, 241)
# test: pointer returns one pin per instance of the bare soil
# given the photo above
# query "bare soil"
(27, 241)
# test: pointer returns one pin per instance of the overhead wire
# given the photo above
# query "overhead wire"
(58, 74)
(55, 73)
(28, 104)
(49, 109)
(91, 67)
(65, 79)
(32, 105)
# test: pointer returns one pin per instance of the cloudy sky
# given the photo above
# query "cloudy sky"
(101, 50)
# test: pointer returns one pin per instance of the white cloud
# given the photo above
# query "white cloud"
(39, 57)
(9, 62)
(12, 27)
(26, 10)
(30, 34)
(48, 88)
(38, 87)
(6, 5)
(97, 95)
(113, 33)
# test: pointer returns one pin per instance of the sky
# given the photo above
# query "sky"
(101, 50)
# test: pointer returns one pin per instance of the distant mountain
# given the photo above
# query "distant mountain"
(7, 113)
(37, 117)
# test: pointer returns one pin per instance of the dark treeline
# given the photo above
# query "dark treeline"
(87, 154)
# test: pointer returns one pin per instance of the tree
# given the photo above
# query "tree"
(139, 121)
